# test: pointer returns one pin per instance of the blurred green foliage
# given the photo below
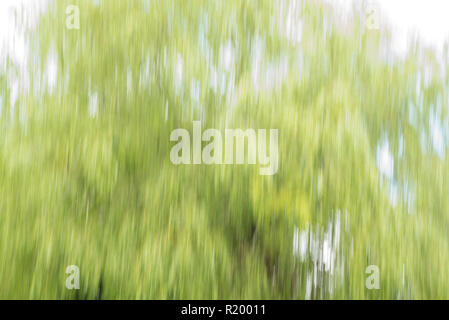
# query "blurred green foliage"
(86, 178)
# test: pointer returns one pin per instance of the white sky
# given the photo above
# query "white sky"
(428, 18)
(10, 39)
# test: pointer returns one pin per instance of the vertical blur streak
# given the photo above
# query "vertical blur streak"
(86, 178)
